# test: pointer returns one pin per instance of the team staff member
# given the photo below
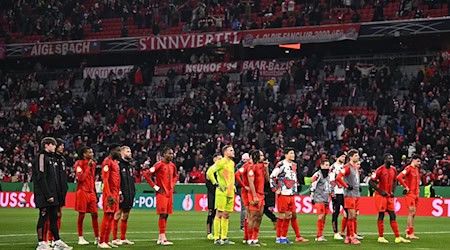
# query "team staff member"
(61, 177)
(46, 194)
(128, 192)
(166, 176)
(86, 196)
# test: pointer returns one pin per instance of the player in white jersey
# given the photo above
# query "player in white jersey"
(283, 181)
(337, 193)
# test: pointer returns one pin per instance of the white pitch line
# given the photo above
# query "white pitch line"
(203, 238)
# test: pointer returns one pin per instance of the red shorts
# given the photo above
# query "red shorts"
(322, 208)
(286, 203)
(384, 203)
(111, 208)
(164, 203)
(244, 197)
(86, 202)
(411, 200)
(258, 206)
(351, 203)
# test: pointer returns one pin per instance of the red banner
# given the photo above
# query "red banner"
(268, 68)
(209, 68)
(186, 41)
(435, 207)
(62, 48)
(312, 34)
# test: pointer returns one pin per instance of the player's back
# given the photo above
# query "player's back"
(259, 173)
(110, 174)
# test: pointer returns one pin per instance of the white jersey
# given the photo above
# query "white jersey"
(284, 178)
(335, 169)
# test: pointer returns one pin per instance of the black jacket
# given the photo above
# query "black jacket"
(44, 180)
(127, 183)
(61, 177)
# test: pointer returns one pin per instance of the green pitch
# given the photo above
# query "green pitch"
(187, 231)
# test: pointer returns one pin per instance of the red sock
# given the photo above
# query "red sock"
(394, 226)
(350, 227)
(108, 232)
(323, 226)
(344, 224)
(105, 229)
(380, 228)
(285, 227)
(355, 226)
(94, 217)
(162, 225)
(279, 227)
(80, 223)
(255, 233)
(410, 230)
(319, 227)
(115, 225)
(245, 229)
(250, 233)
(46, 229)
(295, 226)
(123, 229)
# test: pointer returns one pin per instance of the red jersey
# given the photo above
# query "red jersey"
(258, 171)
(385, 177)
(111, 177)
(85, 175)
(412, 177)
(166, 176)
(241, 174)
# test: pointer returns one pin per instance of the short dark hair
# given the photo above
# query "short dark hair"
(165, 150)
(113, 146)
(84, 149)
(287, 150)
(255, 155)
(352, 152)
(225, 148)
(48, 140)
(415, 157)
(323, 161)
(217, 155)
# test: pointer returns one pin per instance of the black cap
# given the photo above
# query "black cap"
(59, 142)
(339, 154)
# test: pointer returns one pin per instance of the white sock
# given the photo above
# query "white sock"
(58, 242)
(41, 243)
(80, 237)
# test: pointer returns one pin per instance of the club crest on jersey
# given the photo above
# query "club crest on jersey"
(79, 169)
(152, 169)
(106, 168)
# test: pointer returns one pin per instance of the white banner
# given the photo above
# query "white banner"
(103, 72)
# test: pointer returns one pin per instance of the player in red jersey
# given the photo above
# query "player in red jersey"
(242, 180)
(86, 196)
(257, 175)
(411, 185)
(111, 194)
(166, 176)
(349, 179)
(384, 182)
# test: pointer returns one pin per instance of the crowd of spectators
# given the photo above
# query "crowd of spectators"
(68, 19)
(197, 115)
